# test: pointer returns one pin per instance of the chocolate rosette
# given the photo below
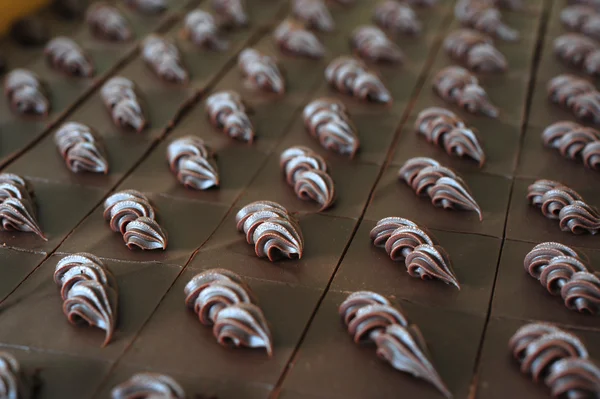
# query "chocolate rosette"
(351, 77)
(431, 262)
(231, 13)
(222, 300)
(370, 317)
(579, 218)
(64, 55)
(458, 86)
(80, 148)
(17, 211)
(89, 292)
(25, 93)
(586, 107)
(446, 190)
(577, 95)
(397, 18)
(445, 129)
(540, 257)
(13, 384)
(228, 114)
(201, 29)
(120, 98)
(193, 163)
(306, 171)
(107, 22)
(370, 43)
(327, 119)
(130, 213)
(147, 386)
(293, 38)
(582, 292)
(274, 232)
(403, 240)
(164, 58)
(484, 17)
(314, 13)
(574, 142)
(383, 230)
(579, 51)
(581, 18)
(574, 378)
(261, 71)
(147, 6)
(475, 50)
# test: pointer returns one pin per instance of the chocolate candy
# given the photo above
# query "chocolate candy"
(193, 163)
(579, 51)
(292, 38)
(80, 148)
(12, 378)
(26, 93)
(314, 13)
(228, 114)
(370, 43)
(201, 28)
(64, 55)
(475, 50)
(17, 206)
(230, 12)
(351, 76)
(164, 58)
(577, 95)
(574, 142)
(484, 17)
(583, 19)
(121, 99)
(148, 385)
(396, 17)
(261, 71)
(107, 22)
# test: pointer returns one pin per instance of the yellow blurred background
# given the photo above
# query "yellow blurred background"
(10, 10)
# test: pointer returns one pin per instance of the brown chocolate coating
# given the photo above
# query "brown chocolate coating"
(80, 148)
(201, 29)
(121, 99)
(583, 19)
(574, 142)
(445, 129)
(147, 6)
(351, 76)
(261, 71)
(577, 95)
(475, 50)
(230, 12)
(370, 43)
(107, 22)
(227, 113)
(26, 93)
(484, 17)
(306, 171)
(293, 38)
(193, 163)
(89, 292)
(64, 55)
(314, 13)
(17, 206)
(30, 31)
(147, 386)
(164, 58)
(12, 384)
(396, 17)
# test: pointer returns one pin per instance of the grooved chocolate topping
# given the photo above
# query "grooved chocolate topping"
(26, 93)
(579, 51)
(370, 317)
(89, 292)
(164, 58)
(230, 12)
(458, 86)
(560, 202)
(261, 71)
(272, 229)
(12, 379)
(293, 38)
(314, 13)
(577, 95)
(193, 163)
(306, 171)
(397, 18)
(370, 43)
(328, 120)
(574, 377)
(80, 148)
(582, 292)
(484, 17)
(107, 22)
(574, 142)
(64, 55)
(583, 19)
(223, 300)
(121, 99)
(148, 386)
(446, 190)
(17, 206)
(130, 213)
(200, 27)
(228, 114)
(548, 253)
(351, 76)
(147, 6)
(404, 240)
(475, 50)
(445, 129)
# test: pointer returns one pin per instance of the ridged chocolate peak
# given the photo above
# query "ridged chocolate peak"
(351, 76)
(64, 55)
(397, 18)
(193, 163)
(475, 50)
(81, 148)
(261, 71)
(314, 13)
(370, 43)
(121, 100)
(25, 93)
(107, 22)
(484, 17)
(293, 38)
(202, 30)
(228, 114)
(164, 58)
(458, 86)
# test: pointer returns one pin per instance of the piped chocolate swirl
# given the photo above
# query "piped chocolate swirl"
(577, 95)
(574, 142)
(306, 172)
(231, 13)
(446, 189)
(221, 299)
(557, 358)
(147, 6)
(25, 93)
(107, 22)
(80, 148)
(13, 384)
(370, 43)
(17, 207)
(579, 51)
(404, 240)
(88, 291)
(64, 55)
(201, 29)
(370, 318)
(261, 71)
(121, 99)
(274, 232)
(446, 130)
(314, 13)
(192, 162)
(564, 204)
(475, 50)
(227, 113)
(458, 86)
(164, 58)
(351, 77)
(328, 120)
(583, 19)
(293, 38)
(484, 17)
(397, 18)
(130, 213)
(147, 386)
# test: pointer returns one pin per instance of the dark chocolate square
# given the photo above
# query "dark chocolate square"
(16, 265)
